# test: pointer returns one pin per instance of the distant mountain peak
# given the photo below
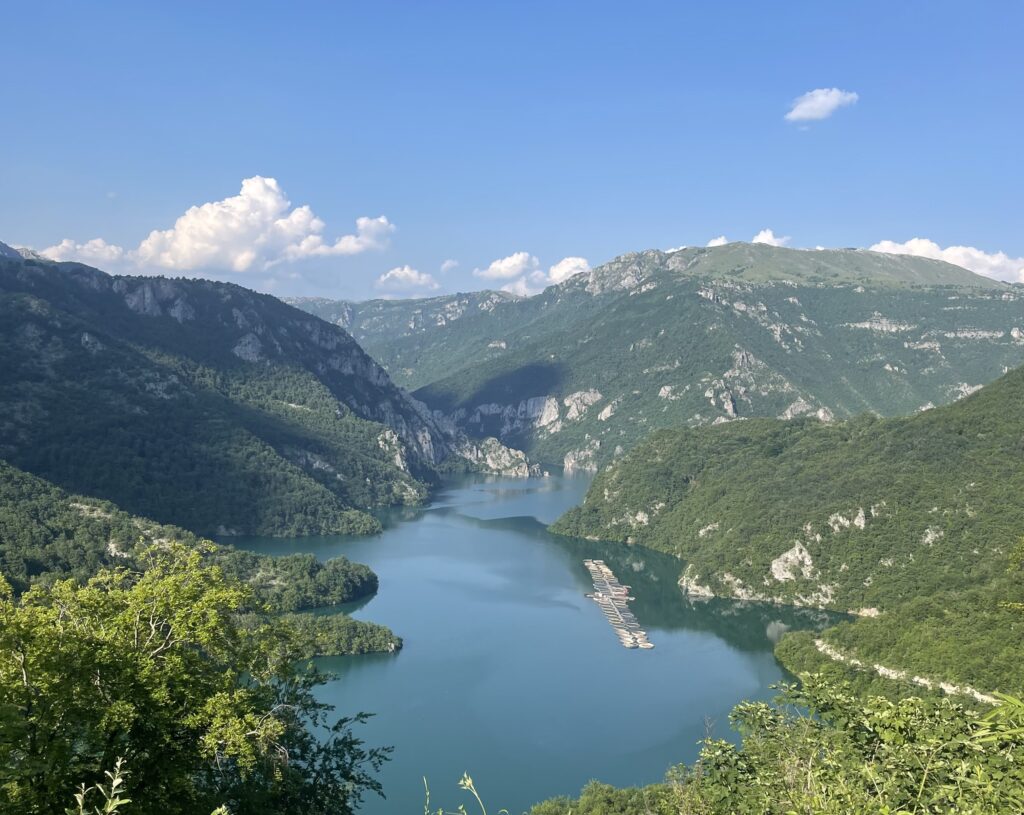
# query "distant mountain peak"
(759, 263)
(20, 253)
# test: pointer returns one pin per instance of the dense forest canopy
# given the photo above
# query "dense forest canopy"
(47, 535)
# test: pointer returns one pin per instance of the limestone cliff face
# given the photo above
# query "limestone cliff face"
(583, 459)
(491, 456)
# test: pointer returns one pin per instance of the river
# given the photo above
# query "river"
(511, 674)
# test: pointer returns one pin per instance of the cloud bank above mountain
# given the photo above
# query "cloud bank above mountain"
(253, 231)
(259, 232)
(530, 277)
(997, 265)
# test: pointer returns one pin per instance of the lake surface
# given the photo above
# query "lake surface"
(511, 674)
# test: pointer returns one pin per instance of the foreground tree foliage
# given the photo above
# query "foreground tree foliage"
(161, 669)
(822, 751)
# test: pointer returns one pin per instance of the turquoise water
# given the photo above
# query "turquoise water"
(511, 674)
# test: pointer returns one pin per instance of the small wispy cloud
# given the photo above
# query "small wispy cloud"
(819, 104)
(448, 265)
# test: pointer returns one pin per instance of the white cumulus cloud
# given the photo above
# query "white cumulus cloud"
(770, 238)
(520, 287)
(819, 104)
(508, 267)
(566, 268)
(538, 280)
(448, 265)
(405, 278)
(252, 231)
(96, 252)
(721, 240)
(998, 265)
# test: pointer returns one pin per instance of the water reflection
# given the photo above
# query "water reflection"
(654, 577)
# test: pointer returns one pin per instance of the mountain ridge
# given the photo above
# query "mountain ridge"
(762, 263)
(197, 380)
(581, 372)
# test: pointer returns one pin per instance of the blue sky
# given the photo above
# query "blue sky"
(482, 130)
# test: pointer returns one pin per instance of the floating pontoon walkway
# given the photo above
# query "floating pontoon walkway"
(613, 599)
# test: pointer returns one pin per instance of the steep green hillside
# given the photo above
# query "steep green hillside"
(909, 522)
(47, 535)
(589, 367)
(207, 405)
(410, 332)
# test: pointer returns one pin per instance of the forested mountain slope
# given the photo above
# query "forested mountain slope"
(207, 405)
(47, 535)
(586, 369)
(417, 351)
(909, 522)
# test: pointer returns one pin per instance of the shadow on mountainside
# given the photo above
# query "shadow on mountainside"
(510, 387)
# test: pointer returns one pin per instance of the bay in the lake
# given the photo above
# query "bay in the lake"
(510, 673)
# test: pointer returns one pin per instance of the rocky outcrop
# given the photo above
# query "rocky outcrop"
(948, 688)
(91, 344)
(248, 348)
(690, 584)
(578, 402)
(491, 456)
(542, 410)
(793, 562)
(389, 442)
(962, 389)
(801, 407)
(584, 459)
(540, 413)
(882, 325)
